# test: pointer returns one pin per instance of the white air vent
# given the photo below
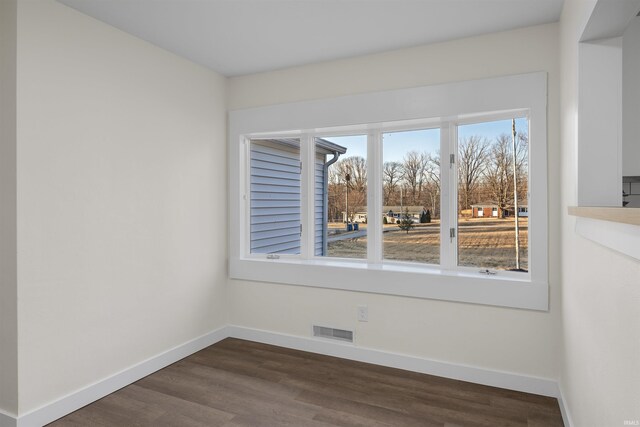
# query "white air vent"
(332, 333)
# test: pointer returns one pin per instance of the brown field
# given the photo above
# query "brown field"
(488, 243)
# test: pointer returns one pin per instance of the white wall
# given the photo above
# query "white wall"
(121, 171)
(8, 261)
(631, 99)
(599, 127)
(600, 361)
(519, 341)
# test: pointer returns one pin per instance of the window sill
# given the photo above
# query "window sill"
(396, 279)
(612, 227)
(614, 214)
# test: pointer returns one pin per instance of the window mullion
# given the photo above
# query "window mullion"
(374, 197)
(307, 158)
(453, 195)
(444, 196)
(447, 197)
(245, 196)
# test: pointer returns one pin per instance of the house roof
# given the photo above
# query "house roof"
(322, 145)
(485, 204)
(329, 146)
(400, 209)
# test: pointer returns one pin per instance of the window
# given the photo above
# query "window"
(434, 203)
(493, 177)
(341, 196)
(275, 196)
(411, 195)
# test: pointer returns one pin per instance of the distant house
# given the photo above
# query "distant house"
(486, 210)
(391, 212)
(491, 210)
(396, 212)
(275, 194)
(523, 211)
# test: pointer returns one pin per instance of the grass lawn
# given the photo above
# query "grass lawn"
(482, 242)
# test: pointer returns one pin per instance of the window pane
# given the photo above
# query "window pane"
(489, 231)
(411, 196)
(341, 197)
(275, 196)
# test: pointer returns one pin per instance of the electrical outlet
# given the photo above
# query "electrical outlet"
(363, 313)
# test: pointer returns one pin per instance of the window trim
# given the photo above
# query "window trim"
(453, 103)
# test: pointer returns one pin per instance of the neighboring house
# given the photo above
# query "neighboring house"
(491, 210)
(485, 210)
(523, 211)
(275, 194)
(396, 212)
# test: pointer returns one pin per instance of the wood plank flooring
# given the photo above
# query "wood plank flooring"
(241, 383)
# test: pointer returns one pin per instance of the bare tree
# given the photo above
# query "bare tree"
(432, 172)
(522, 165)
(391, 174)
(336, 201)
(414, 166)
(499, 172)
(472, 157)
(432, 168)
(356, 168)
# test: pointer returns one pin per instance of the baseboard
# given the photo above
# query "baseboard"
(508, 380)
(7, 420)
(93, 392)
(564, 409)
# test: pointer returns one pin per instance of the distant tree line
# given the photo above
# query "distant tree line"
(485, 171)
(485, 175)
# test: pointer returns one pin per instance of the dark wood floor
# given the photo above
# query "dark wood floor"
(242, 383)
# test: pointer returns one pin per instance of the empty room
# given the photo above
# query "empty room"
(320, 213)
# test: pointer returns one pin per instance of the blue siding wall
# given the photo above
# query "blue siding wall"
(275, 197)
(319, 206)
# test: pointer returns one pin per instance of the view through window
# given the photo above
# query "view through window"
(341, 164)
(492, 210)
(493, 186)
(411, 196)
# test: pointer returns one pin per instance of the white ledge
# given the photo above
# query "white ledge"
(605, 213)
(504, 290)
(619, 236)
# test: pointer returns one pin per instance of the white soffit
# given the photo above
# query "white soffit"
(238, 37)
(610, 19)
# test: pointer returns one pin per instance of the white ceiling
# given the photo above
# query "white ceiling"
(237, 37)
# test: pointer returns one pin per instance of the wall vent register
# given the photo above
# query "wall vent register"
(332, 333)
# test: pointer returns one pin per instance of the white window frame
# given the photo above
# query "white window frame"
(445, 106)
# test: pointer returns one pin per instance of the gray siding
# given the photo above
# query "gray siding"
(319, 206)
(275, 198)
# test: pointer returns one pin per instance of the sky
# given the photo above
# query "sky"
(492, 129)
(397, 144)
